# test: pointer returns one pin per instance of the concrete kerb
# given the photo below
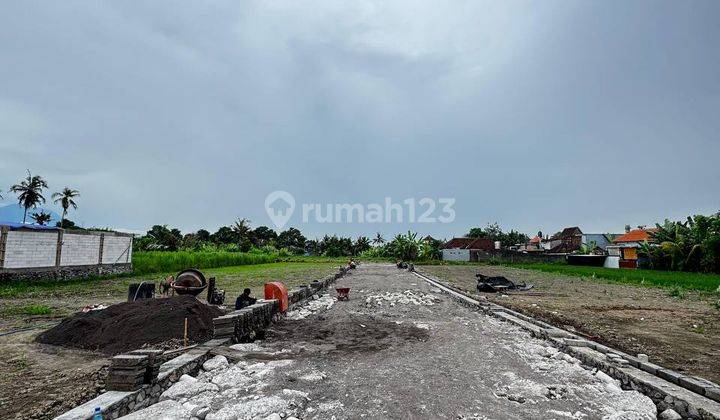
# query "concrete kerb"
(691, 397)
(114, 404)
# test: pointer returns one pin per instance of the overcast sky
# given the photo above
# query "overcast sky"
(535, 115)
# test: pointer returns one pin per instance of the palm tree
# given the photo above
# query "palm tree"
(41, 218)
(242, 227)
(378, 240)
(65, 198)
(29, 192)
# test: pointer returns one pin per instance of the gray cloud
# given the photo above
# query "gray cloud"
(535, 115)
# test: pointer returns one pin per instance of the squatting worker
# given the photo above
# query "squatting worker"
(244, 300)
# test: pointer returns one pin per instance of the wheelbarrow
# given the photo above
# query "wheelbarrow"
(343, 293)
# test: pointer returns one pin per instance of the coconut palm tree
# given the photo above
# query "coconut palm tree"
(41, 218)
(241, 228)
(378, 240)
(66, 199)
(29, 192)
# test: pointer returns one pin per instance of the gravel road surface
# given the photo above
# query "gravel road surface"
(398, 348)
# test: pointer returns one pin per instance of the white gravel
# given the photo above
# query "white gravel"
(224, 391)
(321, 304)
(407, 297)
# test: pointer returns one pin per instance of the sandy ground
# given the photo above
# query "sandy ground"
(397, 349)
(680, 333)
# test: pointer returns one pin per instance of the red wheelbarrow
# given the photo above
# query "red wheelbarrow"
(343, 293)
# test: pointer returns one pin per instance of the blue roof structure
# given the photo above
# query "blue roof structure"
(18, 226)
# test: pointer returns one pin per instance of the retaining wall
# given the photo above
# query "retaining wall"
(246, 324)
(56, 254)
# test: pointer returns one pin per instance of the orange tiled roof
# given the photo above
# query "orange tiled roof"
(535, 240)
(636, 235)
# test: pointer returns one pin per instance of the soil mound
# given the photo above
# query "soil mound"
(129, 326)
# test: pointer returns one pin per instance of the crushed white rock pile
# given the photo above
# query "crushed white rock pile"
(317, 304)
(223, 391)
(407, 297)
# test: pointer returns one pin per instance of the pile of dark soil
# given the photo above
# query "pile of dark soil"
(129, 326)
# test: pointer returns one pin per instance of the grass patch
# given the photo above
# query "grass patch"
(677, 292)
(671, 279)
(232, 279)
(147, 264)
(29, 310)
(682, 281)
(162, 262)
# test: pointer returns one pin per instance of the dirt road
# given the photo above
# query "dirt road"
(398, 349)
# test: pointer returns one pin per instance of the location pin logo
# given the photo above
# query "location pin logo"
(279, 205)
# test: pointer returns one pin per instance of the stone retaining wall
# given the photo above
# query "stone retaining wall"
(246, 324)
(62, 273)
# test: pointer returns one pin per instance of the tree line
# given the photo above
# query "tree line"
(689, 245)
(241, 237)
(30, 194)
(494, 233)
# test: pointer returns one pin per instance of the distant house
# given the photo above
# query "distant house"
(465, 249)
(567, 241)
(625, 247)
(534, 244)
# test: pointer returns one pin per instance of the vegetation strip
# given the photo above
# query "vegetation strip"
(161, 262)
(690, 281)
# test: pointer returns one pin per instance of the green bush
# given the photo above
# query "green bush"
(163, 262)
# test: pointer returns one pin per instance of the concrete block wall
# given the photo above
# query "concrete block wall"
(80, 249)
(27, 249)
(56, 254)
(117, 249)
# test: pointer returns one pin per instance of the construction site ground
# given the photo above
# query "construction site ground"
(678, 330)
(399, 348)
(40, 381)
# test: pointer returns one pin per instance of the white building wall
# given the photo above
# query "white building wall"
(80, 249)
(117, 249)
(612, 262)
(25, 249)
(456, 254)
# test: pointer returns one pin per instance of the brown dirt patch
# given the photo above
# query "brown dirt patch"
(39, 381)
(680, 333)
(131, 325)
(347, 333)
